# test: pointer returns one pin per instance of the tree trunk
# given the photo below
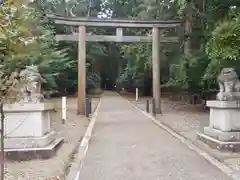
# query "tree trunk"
(188, 28)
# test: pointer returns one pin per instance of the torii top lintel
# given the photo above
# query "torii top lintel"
(95, 22)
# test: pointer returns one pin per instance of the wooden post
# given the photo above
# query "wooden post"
(136, 94)
(64, 109)
(81, 70)
(156, 68)
(147, 106)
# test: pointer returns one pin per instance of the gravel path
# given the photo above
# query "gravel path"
(127, 145)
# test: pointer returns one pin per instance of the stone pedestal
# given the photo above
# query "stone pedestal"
(28, 131)
(223, 131)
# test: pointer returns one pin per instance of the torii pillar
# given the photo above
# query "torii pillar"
(156, 68)
(81, 101)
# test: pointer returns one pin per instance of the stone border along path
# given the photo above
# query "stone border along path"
(76, 166)
(126, 145)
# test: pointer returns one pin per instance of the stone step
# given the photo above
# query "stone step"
(24, 154)
(233, 146)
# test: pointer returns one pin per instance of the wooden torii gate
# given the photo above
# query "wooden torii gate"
(82, 37)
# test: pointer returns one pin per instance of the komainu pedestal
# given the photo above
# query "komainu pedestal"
(28, 131)
(223, 131)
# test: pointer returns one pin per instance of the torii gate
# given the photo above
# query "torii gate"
(82, 37)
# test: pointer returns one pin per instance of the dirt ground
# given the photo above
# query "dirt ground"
(187, 120)
(55, 168)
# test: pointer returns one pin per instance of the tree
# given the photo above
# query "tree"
(216, 24)
(223, 47)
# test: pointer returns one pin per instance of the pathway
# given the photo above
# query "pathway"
(126, 145)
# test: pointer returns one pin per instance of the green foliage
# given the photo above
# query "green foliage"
(16, 40)
(225, 40)
(223, 51)
(127, 78)
(66, 76)
(178, 77)
(189, 73)
(194, 73)
(138, 59)
(28, 39)
(214, 26)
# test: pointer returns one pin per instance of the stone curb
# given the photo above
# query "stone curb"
(75, 169)
(224, 168)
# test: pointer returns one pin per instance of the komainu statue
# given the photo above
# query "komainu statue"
(31, 81)
(229, 85)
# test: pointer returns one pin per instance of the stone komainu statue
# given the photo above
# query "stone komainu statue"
(229, 85)
(31, 81)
